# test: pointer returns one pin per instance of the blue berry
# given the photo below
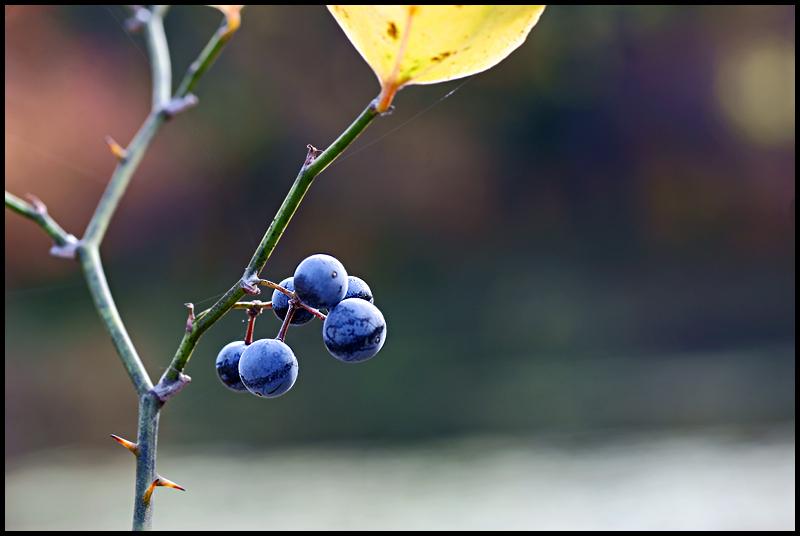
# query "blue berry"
(357, 288)
(354, 330)
(268, 368)
(280, 304)
(320, 281)
(228, 366)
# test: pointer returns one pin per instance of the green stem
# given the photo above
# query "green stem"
(300, 187)
(89, 257)
(122, 177)
(206, 58)
(39, 215)
(141, 141)
(159, 57)
(87, 250)
(147, 442)
(301, 184)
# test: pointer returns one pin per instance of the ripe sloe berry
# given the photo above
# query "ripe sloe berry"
(228, 366)
(280, 304)
(354, 330)
(320, 281)
(357, 288)
(268, 368)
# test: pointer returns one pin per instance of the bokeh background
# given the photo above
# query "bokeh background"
(585, 255)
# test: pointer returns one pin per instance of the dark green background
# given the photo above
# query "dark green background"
(581, 237)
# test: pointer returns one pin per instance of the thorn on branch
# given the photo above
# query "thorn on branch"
(38, 206)
(159, 481)
(312, 155)
(168, 483)
(133, 447)
(180, 104)
(119, 151)
(191, 316)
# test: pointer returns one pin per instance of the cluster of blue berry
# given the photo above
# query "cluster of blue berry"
(354, 330)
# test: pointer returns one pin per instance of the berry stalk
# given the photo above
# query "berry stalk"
(252, 313)
(285, 326)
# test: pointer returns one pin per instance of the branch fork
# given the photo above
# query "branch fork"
(166, 388)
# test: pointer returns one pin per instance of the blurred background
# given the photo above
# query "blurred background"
(585, 256)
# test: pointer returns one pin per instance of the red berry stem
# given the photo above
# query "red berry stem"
(286, 320)
(277, 287)
(252, 313)
(292, 299)
(314, 312)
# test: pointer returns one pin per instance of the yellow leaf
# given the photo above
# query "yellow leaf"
(428, 44)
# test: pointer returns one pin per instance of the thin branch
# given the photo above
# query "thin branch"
(206, 58)
(147, 442)
(89, 257)
(160, 113)
(310, 169)
(37, 211)
(307, 174)
(122, 177)
(151, 398)
(159, 57)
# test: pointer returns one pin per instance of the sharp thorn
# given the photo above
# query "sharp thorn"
(118, 150)
(167, 483)
(312, 155)
(133, 447)
(149, 492)
(38, 206)
(159, 481)
(191, 316)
